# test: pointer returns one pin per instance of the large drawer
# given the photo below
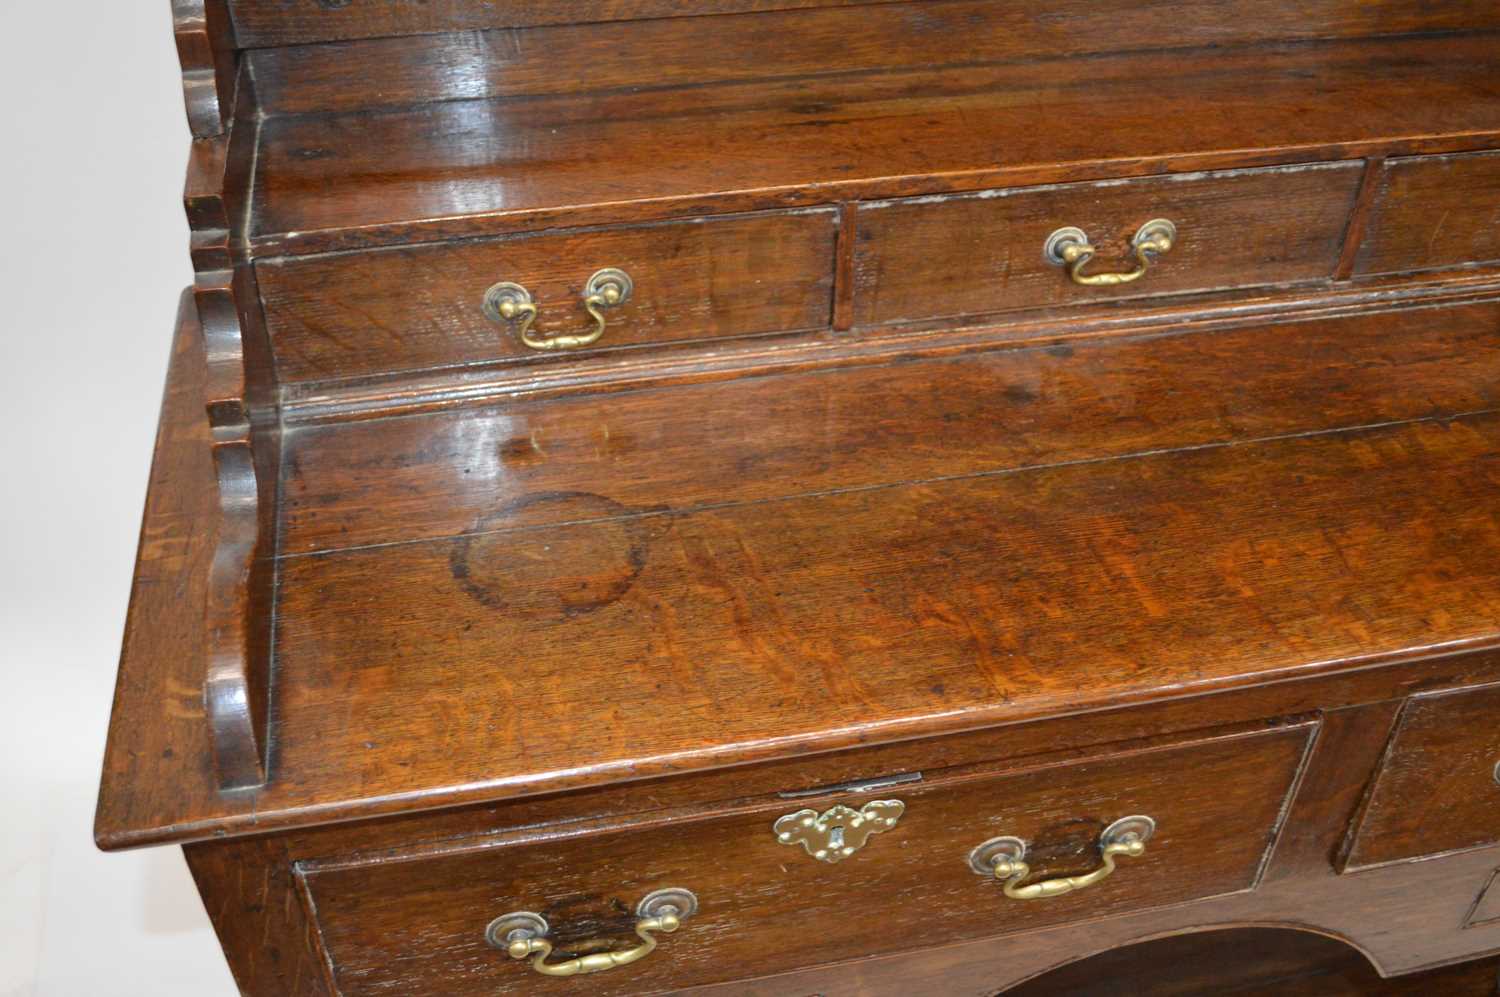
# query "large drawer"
(418, 307)
(1438, 789)
(1432, 213)
(930, 258)
(417, 922)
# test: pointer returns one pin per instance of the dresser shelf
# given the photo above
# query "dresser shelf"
(458, 168)
(798, 564)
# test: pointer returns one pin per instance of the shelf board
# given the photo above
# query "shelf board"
(463, 168)
(497, 602)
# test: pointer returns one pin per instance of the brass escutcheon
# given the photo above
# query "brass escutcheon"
(837, 833)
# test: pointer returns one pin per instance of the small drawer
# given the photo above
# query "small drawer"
(1432, 213)
(419, 307)
(929, 258)
(418, 923)
(1438, 789)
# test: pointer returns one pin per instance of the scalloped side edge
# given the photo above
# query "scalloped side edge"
(205, 49)
(240, 400)
(238, 610)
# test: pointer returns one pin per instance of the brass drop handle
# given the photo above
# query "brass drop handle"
(1005, 860)
(507, 302)
(522, 935)
(1070, 247)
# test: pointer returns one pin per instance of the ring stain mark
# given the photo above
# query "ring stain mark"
(564, 571)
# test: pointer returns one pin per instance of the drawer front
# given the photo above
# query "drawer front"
(419, 307)
(417, 924)
(1433, 212)
(928, 258)
(1438, 789)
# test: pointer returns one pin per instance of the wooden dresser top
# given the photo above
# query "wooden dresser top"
(483, 603)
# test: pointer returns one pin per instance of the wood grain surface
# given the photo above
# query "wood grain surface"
(262, 23)
(770, 906)
(1434, 212)
(255, 900)
(1047, 580)
(1351, 741)
(1016, 595)
(476, 167)
(1438, 789)
(1486, 909)
(414, 308)
(693, 446)
(1404, 920)
(972, 254)
(822, 39)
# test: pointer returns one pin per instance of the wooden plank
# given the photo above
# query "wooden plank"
(261, 23)
(1329, 796)
(477, 167)
(1432, 213)
(1438, 786)
(159, 751)
(251, 892)
(514, 658)
(422, 477)
(825, 39)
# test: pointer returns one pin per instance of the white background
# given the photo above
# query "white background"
(93, 149)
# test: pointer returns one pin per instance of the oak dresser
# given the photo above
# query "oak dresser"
(787, 497)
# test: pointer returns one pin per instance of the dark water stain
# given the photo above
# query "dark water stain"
(555, 554)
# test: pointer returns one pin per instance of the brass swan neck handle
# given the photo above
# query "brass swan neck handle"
(507, 303)
(1005, 860)
(523, 935)
(1070, 247)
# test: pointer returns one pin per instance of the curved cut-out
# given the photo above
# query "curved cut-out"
(240, 401)
(1211, 959)
(235, 692)
(207, 58)
(237, 611)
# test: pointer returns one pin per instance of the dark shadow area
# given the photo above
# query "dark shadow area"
(1250, 962)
